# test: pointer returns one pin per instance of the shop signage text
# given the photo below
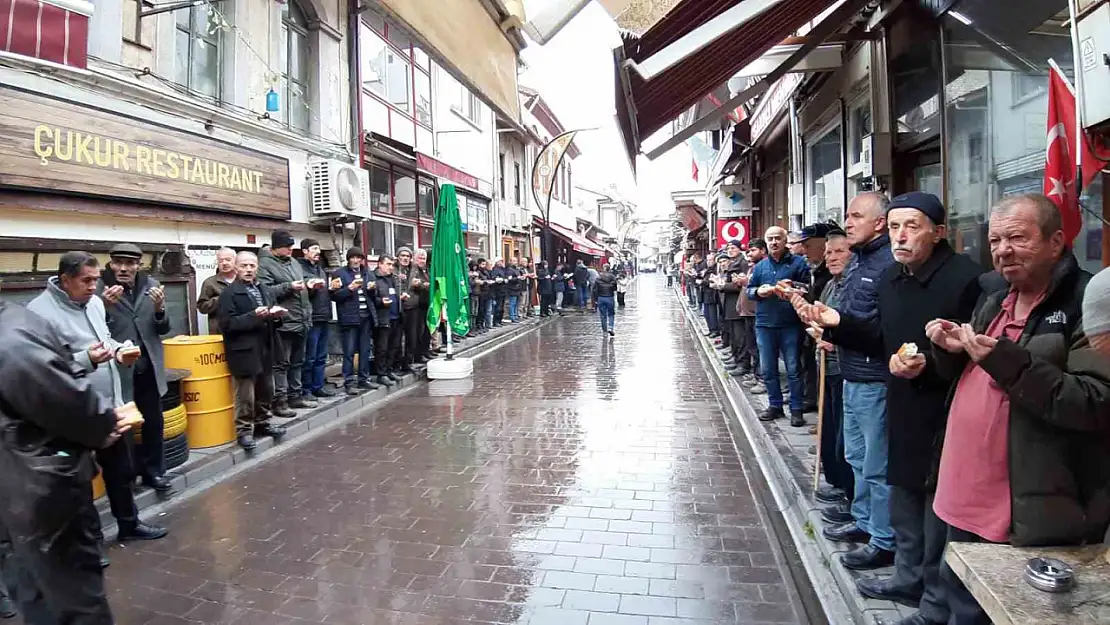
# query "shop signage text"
(51, 145)
(445, 171)
(730, 229)
(734, 200)
(772, 104)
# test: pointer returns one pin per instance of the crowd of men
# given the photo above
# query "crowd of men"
(960, 404)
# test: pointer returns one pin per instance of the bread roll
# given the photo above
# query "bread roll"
(907, 350)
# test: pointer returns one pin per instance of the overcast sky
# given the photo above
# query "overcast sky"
(574, 73)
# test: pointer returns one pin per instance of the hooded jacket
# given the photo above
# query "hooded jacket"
(279, 273)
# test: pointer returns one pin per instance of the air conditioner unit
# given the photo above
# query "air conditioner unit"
(340, 191)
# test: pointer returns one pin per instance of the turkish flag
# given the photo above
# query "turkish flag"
(1059, 170)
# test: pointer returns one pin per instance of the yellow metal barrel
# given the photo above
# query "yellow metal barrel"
(207, 392)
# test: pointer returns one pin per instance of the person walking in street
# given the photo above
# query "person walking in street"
(389, 328)
(250, 321)
(1023, 460)
(79, 318)
(546, 287)
(278, 270)
(929, 281)
(622, 288)
(777, 327)
(354, 302)
(604, 288)
(865, 376)
(316, 340)
(581, 280)
(54, 416)
(420, 286)
(208, 302)
(136, 308)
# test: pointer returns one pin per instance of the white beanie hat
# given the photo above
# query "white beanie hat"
(1096, 304)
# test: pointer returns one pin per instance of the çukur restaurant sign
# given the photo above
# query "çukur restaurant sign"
(55, 146)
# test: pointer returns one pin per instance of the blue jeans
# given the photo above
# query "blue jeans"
(488, 312)
(607, 311)
(712, 316)
(581, 297)
(865, 449)
(514, 304)
(785, 342)
(315, 358)
(357, 340)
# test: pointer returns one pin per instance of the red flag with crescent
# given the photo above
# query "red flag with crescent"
(1064, 142)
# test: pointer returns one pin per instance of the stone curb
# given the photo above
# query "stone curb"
(219, 463)
(834, 585)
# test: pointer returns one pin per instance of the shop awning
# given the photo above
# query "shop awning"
(646, 106)
(577, 242)
(470, 44)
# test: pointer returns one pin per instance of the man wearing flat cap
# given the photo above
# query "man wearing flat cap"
(811, 242)
(136, 307)
(928, 281)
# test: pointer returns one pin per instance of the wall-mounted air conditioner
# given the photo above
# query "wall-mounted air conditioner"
(340, 191)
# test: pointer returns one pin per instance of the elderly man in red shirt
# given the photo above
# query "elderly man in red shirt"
(1024, 457)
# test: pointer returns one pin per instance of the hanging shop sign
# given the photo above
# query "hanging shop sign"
(734, 200)
(730, 229)
(51, 145)
(773, 103)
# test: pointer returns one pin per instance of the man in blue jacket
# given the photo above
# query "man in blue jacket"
(778, 330)
(354, 301)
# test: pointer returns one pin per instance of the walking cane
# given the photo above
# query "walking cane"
(820, 417)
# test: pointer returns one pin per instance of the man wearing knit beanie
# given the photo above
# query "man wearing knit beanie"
(284, 276)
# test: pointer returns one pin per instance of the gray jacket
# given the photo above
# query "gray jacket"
(80, 326)
(280, 274)
(134, 319)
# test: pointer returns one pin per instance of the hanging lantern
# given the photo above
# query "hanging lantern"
(273, 104)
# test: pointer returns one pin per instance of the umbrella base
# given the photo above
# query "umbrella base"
(455, 369)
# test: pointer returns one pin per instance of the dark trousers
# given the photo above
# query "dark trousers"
(709, 310)
(63, 585)
(288, 366)
(810, 370)
(315, 358)
(253, 398)
(750, 352)
(480, 314)
(116, 464)
(498, 309)
(387, 346)
(963, 609)
(424, 340)
(412, 322)
(150, 459)
(620, 298)
(357, 340)
(919, 538)
(838, 472)
(742, 342)
(547, 302)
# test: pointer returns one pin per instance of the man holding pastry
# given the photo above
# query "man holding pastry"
(77, 314)
(928, 281)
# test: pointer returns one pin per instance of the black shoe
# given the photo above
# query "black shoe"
(281, 409)
(140, 531)
(386, 381)
(830, 494)
(302, 402)
(810, 407)
(104, 563)
(324, 392)
(771, 414)
(368, 386)
(916, 619)
(7, 608)
(867, 558)
(158, 483)
(836, 514)
(847, 533)
(393, 376)
(351, 390)
(269, 429)
(796, 419)
(246, 441)
(881, 588)
(737, 372)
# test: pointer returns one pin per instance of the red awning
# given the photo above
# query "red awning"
(577, 242)
(643, 107)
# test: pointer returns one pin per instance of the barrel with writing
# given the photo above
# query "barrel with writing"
(206, 393)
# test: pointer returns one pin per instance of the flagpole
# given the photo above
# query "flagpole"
(447, 324)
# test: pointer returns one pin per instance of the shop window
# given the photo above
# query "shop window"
(516, 184)
(197, 50)
(825, 179)
(404, 194)
(996, 105)
(426, 198)
(403, 236)
(293, 63)
(859, 126)
(915, 80)
(380, 236)
(426, 237)
(379, 189)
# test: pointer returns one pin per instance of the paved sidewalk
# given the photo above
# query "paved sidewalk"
(789, 465)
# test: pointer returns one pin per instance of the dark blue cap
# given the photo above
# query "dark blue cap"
(818, 231)
(925, 202)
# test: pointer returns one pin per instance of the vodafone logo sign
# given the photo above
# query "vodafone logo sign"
(730, 229)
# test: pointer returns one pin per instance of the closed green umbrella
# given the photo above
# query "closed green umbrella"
(450, 290)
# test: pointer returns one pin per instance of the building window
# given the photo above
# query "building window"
(426, 198)
(294, 66)
(516, 184)
(379, 189)
(1027, 86)
(501, 174)
(381, 232)
(469, 105)
(404, 194)
(131, 20)
(197, 63)
(385, 72)
(859, 126)
(423, 83)
(825, 179)
(404, 236)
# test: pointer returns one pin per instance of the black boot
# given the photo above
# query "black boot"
(269, 429)
(797, 419)
(281, 409)
(246, 441)
(137, 530)
(771, 414)
(386, 381)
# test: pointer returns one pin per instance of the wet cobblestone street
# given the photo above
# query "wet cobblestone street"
(573, 481)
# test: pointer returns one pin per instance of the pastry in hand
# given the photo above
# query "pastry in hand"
(907, 351)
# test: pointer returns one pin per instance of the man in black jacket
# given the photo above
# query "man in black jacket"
(581, 278)
(499, 280)
(546, 288)
(316, 341)
(52, 419)
(390, 322)
(929, 281)
(604, 290)
(811, 240)
(250, 339)
(732, 281)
